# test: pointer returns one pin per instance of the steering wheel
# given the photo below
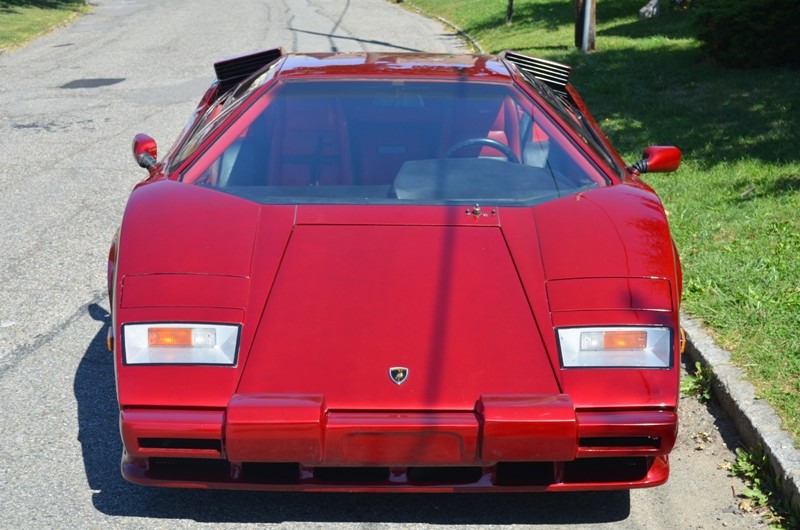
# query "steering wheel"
(488, 142)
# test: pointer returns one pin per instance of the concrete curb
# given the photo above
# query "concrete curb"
(755, 420)
(474, 43)
(463, 34)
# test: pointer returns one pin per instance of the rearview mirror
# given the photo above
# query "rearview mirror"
(145, 151)
(657, 159)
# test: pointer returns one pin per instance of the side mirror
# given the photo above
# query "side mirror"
(145, 151)
(657, 159)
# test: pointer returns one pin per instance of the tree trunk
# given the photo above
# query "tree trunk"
(510, 11)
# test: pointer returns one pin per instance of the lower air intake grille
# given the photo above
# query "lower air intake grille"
(180, 443)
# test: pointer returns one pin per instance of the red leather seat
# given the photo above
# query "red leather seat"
(310, 145)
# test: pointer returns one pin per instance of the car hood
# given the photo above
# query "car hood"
(337, 300)
(357, 299)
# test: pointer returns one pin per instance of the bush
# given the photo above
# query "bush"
(750, 33)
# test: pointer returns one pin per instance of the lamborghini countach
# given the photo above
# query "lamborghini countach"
(395, 272)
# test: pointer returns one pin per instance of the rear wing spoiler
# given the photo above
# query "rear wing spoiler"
(231, 72)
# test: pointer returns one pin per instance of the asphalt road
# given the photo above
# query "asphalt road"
(70, 103)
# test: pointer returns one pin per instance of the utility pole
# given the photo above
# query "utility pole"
(585, 26)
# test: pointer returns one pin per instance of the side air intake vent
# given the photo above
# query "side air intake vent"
(232, 71)
(555, 75)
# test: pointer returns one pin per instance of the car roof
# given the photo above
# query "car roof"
(400, 65)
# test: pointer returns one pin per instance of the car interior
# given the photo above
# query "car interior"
(406, 141)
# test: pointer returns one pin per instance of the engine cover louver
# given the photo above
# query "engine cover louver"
(231, 72)
(555, 75)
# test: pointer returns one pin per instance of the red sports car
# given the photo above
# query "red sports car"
(395, 272)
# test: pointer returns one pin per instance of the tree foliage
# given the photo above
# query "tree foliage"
(750, 33)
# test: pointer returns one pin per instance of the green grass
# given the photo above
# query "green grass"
(764, 494)
(698, 382)
(23, 20)
(735, 202)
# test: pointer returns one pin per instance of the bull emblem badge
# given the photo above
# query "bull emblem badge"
(398, 374)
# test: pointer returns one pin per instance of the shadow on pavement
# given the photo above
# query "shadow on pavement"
(112, 495)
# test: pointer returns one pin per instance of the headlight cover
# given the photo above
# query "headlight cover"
(615, 347)
(181, 343)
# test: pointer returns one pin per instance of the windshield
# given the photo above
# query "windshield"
(391, 142)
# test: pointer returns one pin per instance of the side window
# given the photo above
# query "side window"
(535, 141)
(218, 173)
(195, 133)
(545, 146)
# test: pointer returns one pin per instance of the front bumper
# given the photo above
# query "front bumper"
(291, 442)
